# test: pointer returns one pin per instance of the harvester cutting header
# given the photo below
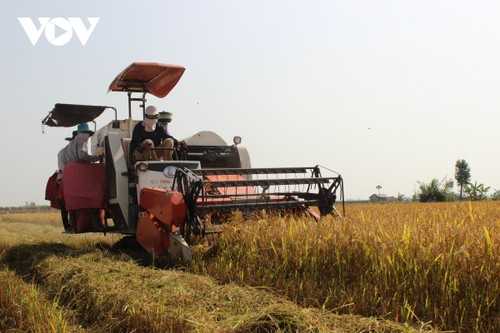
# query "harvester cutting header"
(166, 203)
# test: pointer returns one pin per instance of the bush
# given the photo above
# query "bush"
(436, 191)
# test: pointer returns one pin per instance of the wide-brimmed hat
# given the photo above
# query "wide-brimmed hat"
(84, 128)
(165, 116)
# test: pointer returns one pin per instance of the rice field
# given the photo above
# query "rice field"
(384, 268)
(434, 263)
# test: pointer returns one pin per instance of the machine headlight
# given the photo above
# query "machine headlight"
(142, 166)
(170, 171)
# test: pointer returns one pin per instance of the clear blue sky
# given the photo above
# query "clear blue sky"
(386, 93)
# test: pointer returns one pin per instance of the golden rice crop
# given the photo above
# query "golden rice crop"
(67, 283)
(435, 263)
(24, 309)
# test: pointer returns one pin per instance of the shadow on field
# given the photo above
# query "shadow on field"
(24, 258)
(128, 247)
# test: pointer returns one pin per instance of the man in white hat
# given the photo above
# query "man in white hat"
(149, 134)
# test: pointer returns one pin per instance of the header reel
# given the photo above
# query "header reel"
(209, 191)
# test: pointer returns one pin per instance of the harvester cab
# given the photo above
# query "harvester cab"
(165, 204)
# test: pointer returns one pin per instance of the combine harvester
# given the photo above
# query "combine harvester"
(166, 204)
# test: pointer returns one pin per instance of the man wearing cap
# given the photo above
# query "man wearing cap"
(77, 149)
(149, 134)
(61, 163)
(165, 117)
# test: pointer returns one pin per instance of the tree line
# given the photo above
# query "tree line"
(438, 191)
(26, 208)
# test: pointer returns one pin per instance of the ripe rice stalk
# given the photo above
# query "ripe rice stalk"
(423, 255)
(23, 308)
(429, 263)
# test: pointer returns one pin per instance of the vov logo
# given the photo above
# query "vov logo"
(58, 30)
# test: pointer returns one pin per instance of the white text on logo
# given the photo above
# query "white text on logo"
(65, 27)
